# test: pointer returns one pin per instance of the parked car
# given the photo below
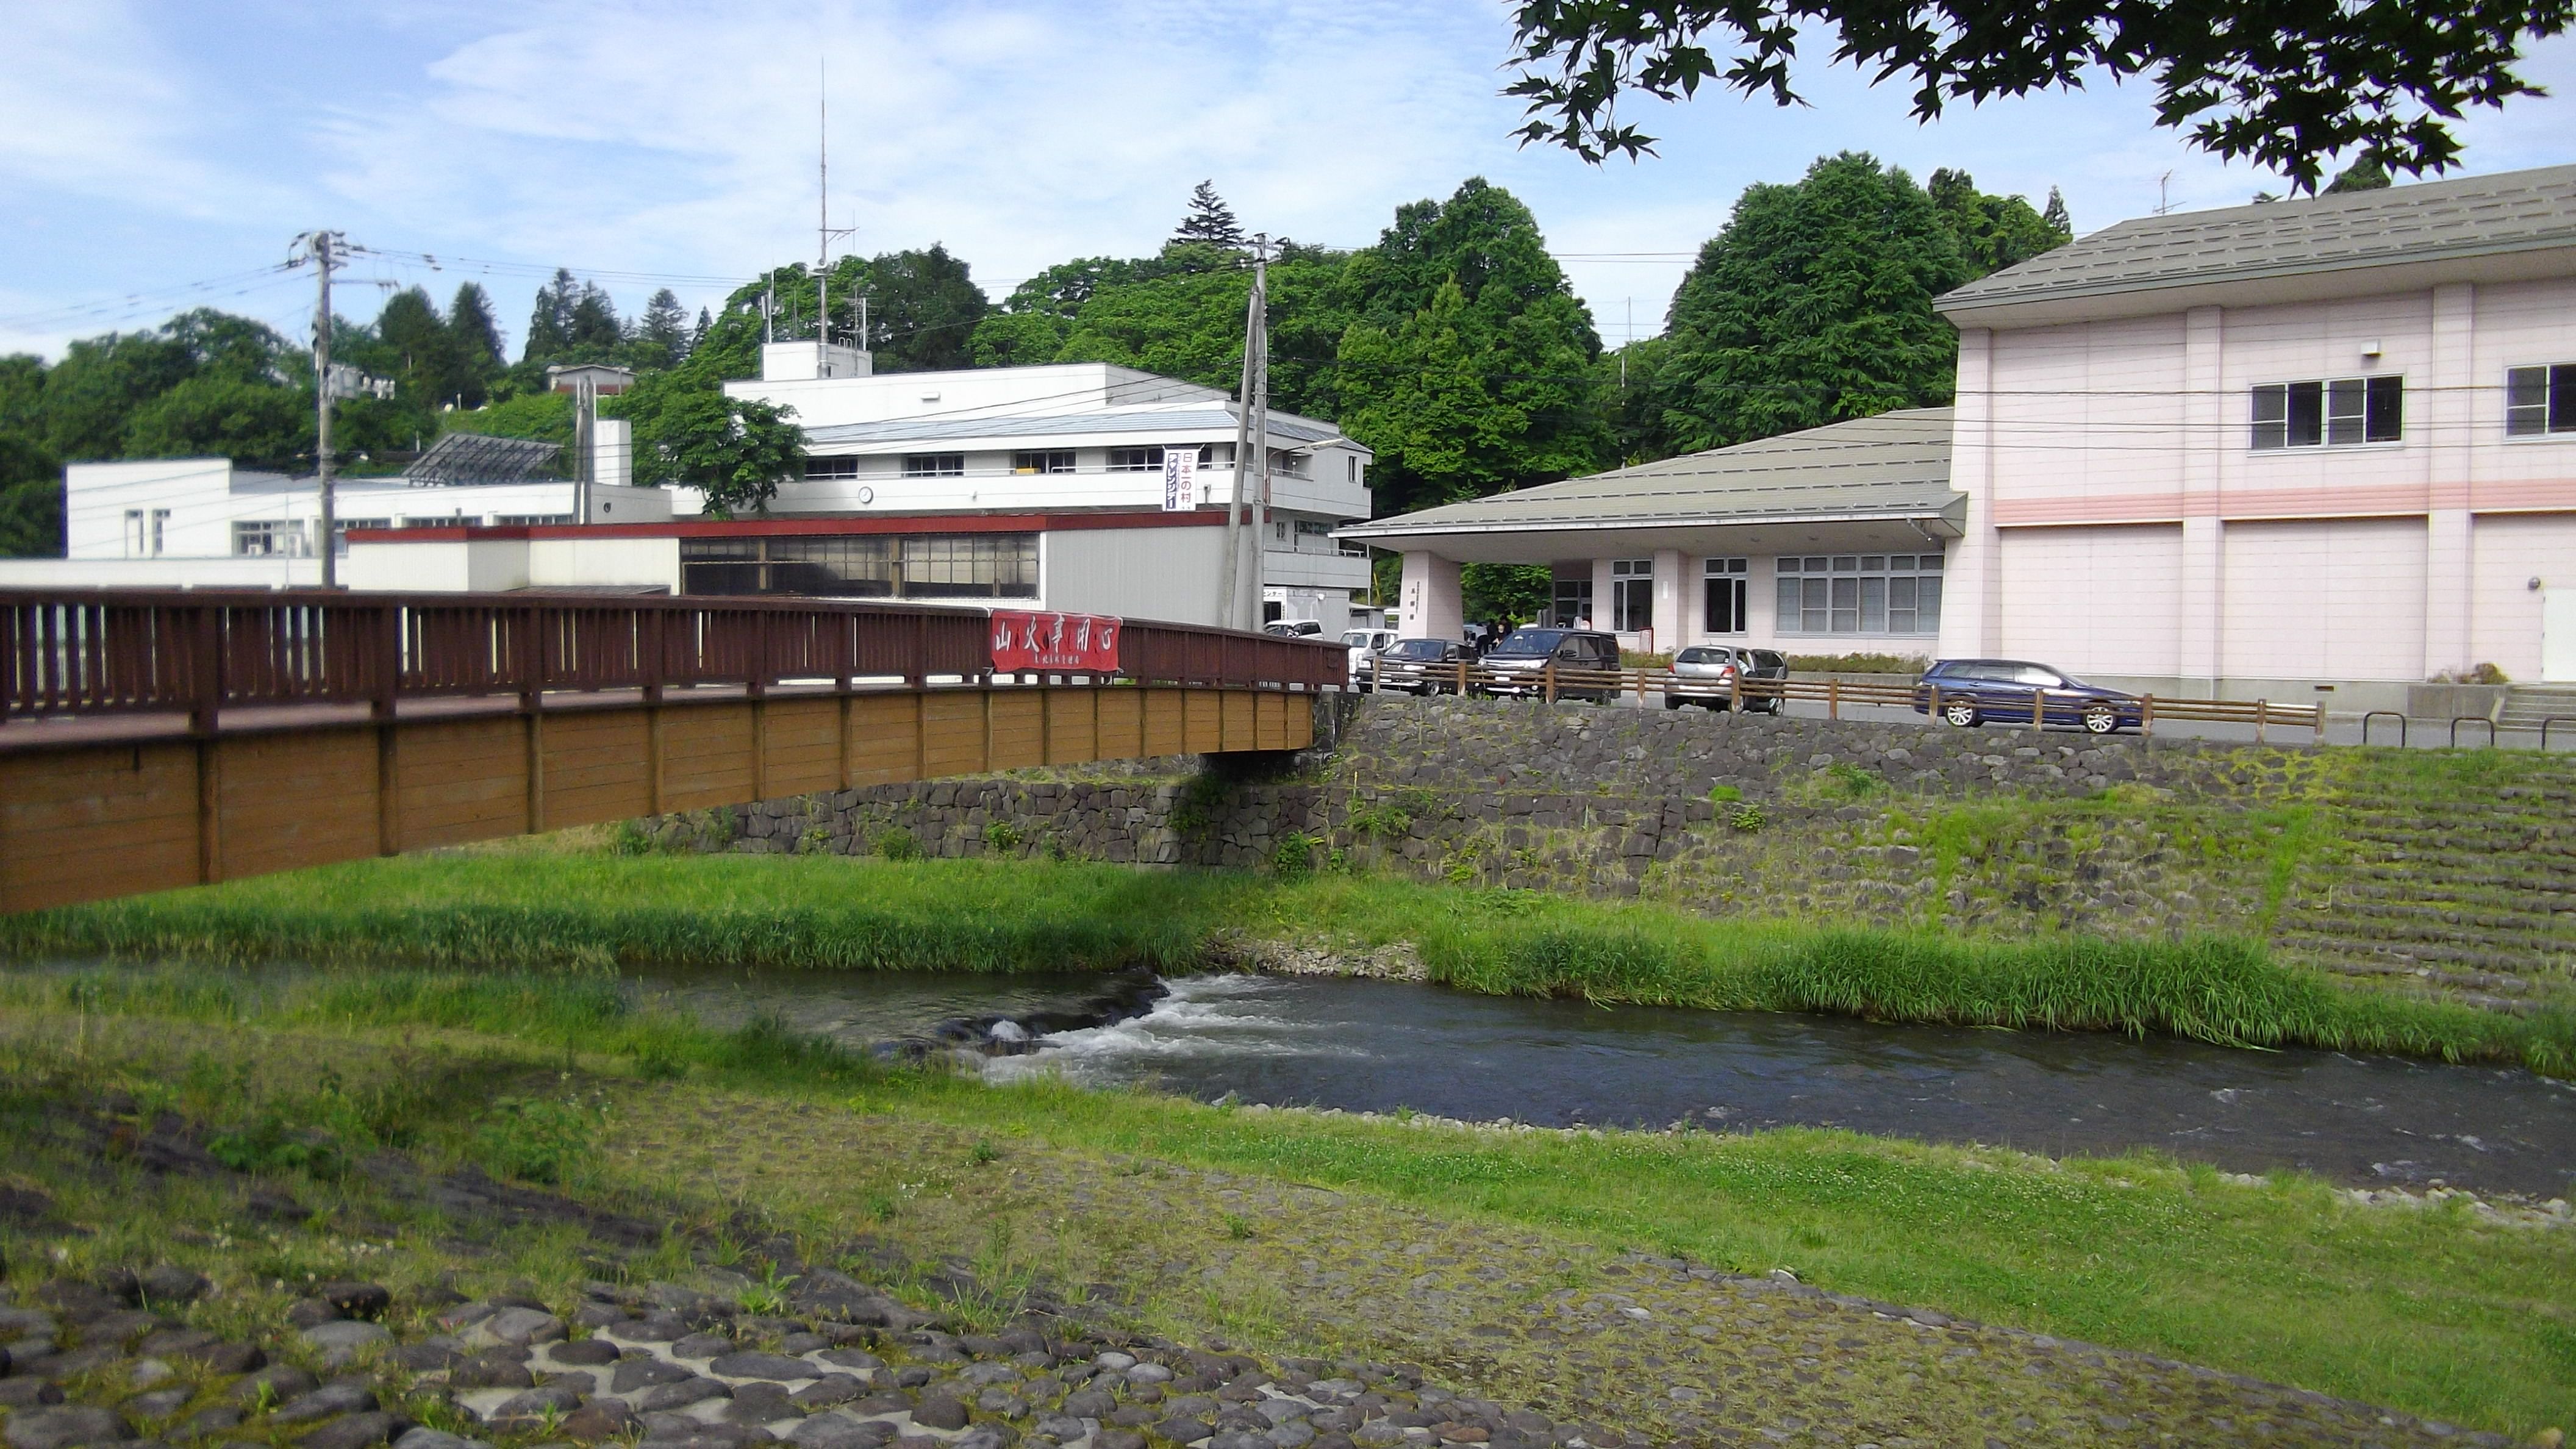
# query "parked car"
(1421, 666)
(1364, 644)
(1518, 665)
(1973, 691)
(1709, 667)
(1294, 628)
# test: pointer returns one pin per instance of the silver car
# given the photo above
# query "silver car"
(1703, 674)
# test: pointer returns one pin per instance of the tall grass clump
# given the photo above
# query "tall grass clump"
(2213, 989)
(556, 912)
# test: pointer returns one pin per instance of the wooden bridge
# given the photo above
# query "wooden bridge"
(159, 739)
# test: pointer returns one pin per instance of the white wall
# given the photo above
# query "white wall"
(160, 573)
(2508, 552)
(2327, 600)
(1170, 574)
(2110, 597)
(573, 562)
(1430, 605)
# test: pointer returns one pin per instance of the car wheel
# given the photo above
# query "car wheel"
(1962, 714)
(2101, 719)
(1672, 701)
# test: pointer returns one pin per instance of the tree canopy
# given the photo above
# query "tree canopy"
(2284, 83)
(1452, 347)
(1814, 305)
(1209, 221)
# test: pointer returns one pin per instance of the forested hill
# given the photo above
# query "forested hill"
(1453, 346)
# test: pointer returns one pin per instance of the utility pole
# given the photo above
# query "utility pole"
(822, 217)
(1230, 612)
(322, 248)
(1254, 574)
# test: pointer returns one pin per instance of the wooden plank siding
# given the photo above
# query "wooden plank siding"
(87, 822)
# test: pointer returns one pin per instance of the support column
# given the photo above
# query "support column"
(1669, 611)
(1430, 606)
(1972, 583)
(2450, 420)
(2208, 438)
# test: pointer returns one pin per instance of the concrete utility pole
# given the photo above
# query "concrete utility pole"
(1232, 585)
(1260, 536)
(322, 248)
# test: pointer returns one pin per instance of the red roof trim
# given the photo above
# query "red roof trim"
(778, 527)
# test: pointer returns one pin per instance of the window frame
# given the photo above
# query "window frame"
(2367, 411)
(1859, 594)
(1039, 462)
(934, 465)
(1726, 590)
(2555, 405)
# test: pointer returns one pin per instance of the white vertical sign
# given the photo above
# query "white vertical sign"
(1180, 479)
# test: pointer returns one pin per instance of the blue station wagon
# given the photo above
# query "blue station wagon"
(1972, 691)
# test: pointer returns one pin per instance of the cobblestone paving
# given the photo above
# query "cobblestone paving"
(1656, 1347)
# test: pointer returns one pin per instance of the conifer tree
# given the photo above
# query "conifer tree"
(1210, 220)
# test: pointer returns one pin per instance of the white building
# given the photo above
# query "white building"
(2305, 449)
(202, 522)
(1060, 442)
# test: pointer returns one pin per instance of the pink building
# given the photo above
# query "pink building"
(2312, 449)
(2278, 447)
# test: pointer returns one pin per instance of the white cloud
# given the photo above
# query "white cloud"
(666, 137)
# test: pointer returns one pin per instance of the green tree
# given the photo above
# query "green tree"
(923, 308)
(1467, 363)
(1812, 306)
(688, 432)
(1505, 593)
(662, 335)
(2284, 84)
(480, 353)
(1994, 232)
(31, 495)
(2365, 174)
(1209, 220)
(217, 415)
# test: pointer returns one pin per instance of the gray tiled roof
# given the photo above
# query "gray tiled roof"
(1893, 465)
(2427, 221)
(1184, 422)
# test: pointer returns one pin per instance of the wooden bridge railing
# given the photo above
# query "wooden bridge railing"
(80, 652)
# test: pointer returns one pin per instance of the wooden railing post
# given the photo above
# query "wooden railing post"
(1932, 706)
(2038, 703)
(2146, 714)
(1551, 679)
(206, 686)
(384, 642)
(2262, 707)
(1834, 698)
(1735, 691)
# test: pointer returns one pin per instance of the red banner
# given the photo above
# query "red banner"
(1077, 643)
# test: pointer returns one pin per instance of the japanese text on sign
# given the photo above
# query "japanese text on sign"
(1084, 643)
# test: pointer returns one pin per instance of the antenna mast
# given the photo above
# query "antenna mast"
(822, 214)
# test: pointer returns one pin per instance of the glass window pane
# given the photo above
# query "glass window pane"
(2271, 415)
(2307, 414)
(1845, 563)
(2343, 412)
(2387, 410)
(1871, 563)
(1846, 606)
(2562, 398)
(1927, 606)
(1787, 604)
(2526, 400)
(1873, 606)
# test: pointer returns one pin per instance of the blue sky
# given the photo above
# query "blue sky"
(148, 148)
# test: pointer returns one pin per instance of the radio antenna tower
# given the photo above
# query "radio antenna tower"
(823, 232)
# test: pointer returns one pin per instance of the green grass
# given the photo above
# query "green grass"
(2434, 1311)
(538, 910)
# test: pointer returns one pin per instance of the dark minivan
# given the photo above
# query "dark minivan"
(1972, 691)
(1518, 665)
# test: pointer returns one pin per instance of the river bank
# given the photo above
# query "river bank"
(555, 908)
(1615, 1278)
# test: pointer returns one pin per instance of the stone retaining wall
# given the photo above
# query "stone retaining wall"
(1718, 812)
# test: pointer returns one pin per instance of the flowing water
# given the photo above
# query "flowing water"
(1379, 1046)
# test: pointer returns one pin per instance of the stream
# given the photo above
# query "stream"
(1379, 1046)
